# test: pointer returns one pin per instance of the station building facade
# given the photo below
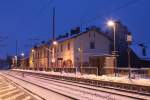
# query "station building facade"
(79, 49)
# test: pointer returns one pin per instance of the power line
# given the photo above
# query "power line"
(131, 2)
(113, 10)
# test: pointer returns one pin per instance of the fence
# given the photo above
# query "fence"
(83, 70)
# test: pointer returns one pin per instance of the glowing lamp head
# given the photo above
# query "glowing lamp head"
(22, 54)
(111, 23)
(15, 57)
(55, 42)
(32, 50)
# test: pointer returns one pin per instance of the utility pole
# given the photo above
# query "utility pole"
(16, 56)
(53, 24)
(81, 57)
(54, 43)
(16, 47)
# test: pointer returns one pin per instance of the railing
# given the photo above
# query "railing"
(83, 70)
(135, 72)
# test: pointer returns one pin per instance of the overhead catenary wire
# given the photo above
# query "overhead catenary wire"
(125, 5)
(131, 2)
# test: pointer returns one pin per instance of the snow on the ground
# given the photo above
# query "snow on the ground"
(121, 79)
(73, 91)
(44, 93)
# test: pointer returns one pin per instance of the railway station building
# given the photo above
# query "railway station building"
(90, 48)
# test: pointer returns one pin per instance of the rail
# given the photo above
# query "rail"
(136, 89)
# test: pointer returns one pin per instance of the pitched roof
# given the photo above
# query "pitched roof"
(139, 52)
(78, 34)
(73, 36)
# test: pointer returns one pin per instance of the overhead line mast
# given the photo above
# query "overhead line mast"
(53, 24)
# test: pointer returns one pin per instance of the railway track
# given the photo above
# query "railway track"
(132, 88)
(40, 93)
(91, 91)
(10, 91)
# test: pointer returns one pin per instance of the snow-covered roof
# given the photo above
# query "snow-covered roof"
(139, 52)
(69, 37)
(78, 34)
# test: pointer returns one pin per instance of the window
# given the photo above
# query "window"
(68, 46)
(92, 45)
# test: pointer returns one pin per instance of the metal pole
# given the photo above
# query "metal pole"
(53, 47)
(114, 39)
(47, 58)
(129, 40)
(115, 59)
(81, 56)
(53, 56)
(16, 61)
(16, 47)
(53, 24)
(129, 63)
(16, 53)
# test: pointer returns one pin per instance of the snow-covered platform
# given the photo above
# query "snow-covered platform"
(138, 85)
(75, 90)
(121, 79)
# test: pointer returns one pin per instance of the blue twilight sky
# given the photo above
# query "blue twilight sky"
(30, 21)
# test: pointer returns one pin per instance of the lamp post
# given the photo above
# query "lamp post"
(22, 57)
(54, 44)
(16, 60)
(33, 59)
(129, 40)
(80, 50)
(112, 24)
(81, 58)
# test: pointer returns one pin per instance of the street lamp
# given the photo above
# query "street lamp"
(22, 57)
(32, 50)
(112, 24)
(16, 60)
(54, 44)
(22, 54)
(80, 50)
(129, 40)
(33, 61)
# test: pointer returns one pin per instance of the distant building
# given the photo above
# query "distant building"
(24, 62)
(142, 59)
(75, 50)
(39, 56)
(140, 55)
